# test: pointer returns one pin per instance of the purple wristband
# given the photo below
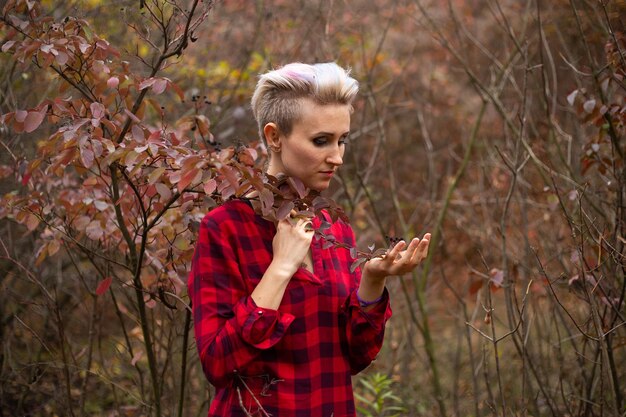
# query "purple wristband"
(364, 303)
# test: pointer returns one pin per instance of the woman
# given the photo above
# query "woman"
(281, 324)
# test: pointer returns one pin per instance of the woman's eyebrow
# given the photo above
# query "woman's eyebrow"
(322, 133)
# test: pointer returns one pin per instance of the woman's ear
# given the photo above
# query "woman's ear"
(272, 137)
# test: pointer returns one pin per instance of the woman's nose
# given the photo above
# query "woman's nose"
(336, 156)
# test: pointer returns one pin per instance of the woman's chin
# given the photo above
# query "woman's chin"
(318, 187)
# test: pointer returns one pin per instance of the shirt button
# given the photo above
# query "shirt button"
(260, 312)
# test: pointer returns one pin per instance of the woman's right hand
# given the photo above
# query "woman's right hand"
(291, 243)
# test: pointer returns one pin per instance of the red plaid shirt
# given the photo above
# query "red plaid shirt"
(296, 361)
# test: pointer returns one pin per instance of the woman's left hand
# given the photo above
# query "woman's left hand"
(399, 260)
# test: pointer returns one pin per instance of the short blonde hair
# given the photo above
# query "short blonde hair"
(278, 93)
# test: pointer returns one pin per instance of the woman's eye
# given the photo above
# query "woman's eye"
(320, 141)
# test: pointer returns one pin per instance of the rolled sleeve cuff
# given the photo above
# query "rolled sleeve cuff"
(378, 315)
(261, 327)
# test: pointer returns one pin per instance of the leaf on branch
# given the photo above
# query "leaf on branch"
(163, 190)
(7, 45)
(137, 357)
(97, 110)
(324, 225)
(138, 134)
(86, 157)
(159, 86)
(104, 286)
(94, 230)
(203, 124)
(589, 105)
(357, 264)
(284, 210)
(156, 175)
(267, 201)
(571, 98)
(210, 186)
(62, 58)
(298, 185)
(190, 177)
(53, 247)
(32, 222)
(497, 277)
(179, 91)
(20, 115)
(34, 119)
(328, 244)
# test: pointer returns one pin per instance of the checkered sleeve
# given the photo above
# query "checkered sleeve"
(230, 329)
(365, 331)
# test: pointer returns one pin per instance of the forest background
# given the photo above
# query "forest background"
(497, 125)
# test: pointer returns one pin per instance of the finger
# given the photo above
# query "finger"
(304, 221)
(413, 246)
(422, 250)
(409, 253)
(282, 224)
(394, 252)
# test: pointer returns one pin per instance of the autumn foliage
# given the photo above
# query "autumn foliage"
(499, 127)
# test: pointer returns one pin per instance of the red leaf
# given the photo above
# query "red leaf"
(20, 115)
(104, 286)
(178, 91)
(210, 186)
(188, 177)
(34, 119)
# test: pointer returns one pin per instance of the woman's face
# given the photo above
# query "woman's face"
(314, 149)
